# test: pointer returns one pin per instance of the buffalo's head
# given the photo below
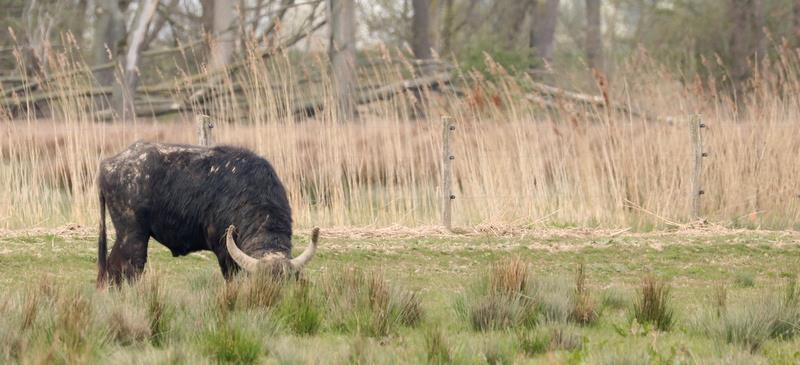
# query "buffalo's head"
(278, 264)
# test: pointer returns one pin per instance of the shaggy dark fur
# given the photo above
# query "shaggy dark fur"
(185, 197)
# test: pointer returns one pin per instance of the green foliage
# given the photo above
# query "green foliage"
(517, 60)
(228, 343)
(301, 310)
(533, 342)
(437, 350)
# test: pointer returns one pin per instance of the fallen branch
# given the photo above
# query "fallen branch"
(541, 90)
(381, 93)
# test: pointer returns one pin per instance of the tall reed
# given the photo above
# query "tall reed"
(519, 160)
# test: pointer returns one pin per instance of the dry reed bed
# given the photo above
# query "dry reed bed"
(517, 163)
(386, 172)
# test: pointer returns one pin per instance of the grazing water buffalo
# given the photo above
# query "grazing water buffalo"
(189, 198)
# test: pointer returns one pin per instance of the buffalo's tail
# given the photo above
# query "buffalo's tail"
(102, 244)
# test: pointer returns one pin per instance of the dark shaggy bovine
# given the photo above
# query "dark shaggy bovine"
(185, 197)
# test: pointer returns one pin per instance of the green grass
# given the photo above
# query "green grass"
(396, 300)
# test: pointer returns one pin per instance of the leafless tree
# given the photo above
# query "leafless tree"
(109, 31)
(747, 39)
(544, 18)
(594, 36)
(123, 96)
(421, 29)
(224, 33)
(342, 53)
(796, 22)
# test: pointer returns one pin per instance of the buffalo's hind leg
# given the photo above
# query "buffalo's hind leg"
(129, 254)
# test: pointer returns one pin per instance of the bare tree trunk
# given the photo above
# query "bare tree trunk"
(421, 30)
(224, 34)
(342, 52)
(207, 18)
(421, 45)
(514, 21)
(123, 96)
(796, 22)
(447, 25)
(543, 28)
(747, 40)
(109, 30)
(159, 22)
(594, 36)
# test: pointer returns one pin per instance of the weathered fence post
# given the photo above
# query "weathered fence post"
(695, 126)
(204, 126)
(447, 171)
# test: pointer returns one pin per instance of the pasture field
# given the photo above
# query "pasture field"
(418, 296)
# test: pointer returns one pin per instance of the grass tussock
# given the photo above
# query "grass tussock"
(504, 298)
(547, 339)
(128, 324)
(366, 303)
(653, 305)
(509, 297)
(258, 290)
(751, 322)
(584, 309)
(229, 343)
(498, 351)
(158, 308)
(301, 309)
(437, 349)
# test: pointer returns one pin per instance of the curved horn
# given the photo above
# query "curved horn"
(247, 263)
(300, 261)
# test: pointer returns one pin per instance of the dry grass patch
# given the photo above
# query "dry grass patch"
(653, 305)
(584, 309)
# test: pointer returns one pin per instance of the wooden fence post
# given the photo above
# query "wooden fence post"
(695, 126)
(204, 127)
(447, 171)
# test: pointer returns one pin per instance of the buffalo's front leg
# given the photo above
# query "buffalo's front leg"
(226, 263)
(128, 256)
